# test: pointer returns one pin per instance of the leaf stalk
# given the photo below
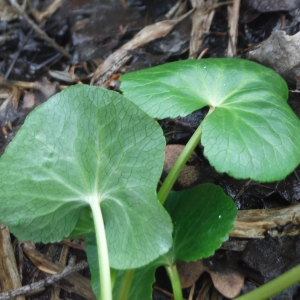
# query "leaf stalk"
(179, 164)
(181, 161)
(102, 249)
(274, 286)
(175, 281)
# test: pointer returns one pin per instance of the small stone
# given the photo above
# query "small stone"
(190, 174)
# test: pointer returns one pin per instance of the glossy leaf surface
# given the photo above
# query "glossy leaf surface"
(202, 218)
(251, 131)
(87, 144)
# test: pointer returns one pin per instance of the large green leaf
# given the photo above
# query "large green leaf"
(202, 218)
(251, 132)
(87, 144)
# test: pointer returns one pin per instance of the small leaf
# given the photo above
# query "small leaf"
(82, 145)
(251, 132)
(202, 218)
(141, 286)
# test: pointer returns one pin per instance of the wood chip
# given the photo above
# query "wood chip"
(9, 276)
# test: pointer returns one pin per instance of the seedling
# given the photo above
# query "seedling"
(87, 163)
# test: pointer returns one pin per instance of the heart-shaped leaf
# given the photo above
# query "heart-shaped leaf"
(88, 144)
(202, 218)
(251, 131)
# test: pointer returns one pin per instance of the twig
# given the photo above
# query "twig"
(25, 84)
(41, 16)
(43, 283)
(233, 27)
(254, 223)
(202, 19)
(63, 260)
(81, 285)
(43, 35)
(16, 55)
(120, 56)
(9, 276)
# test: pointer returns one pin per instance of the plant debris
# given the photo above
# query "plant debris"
(48, 45)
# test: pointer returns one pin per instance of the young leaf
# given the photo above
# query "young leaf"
(88, 144)
(202, 218)
(251, 131)
(142, 282)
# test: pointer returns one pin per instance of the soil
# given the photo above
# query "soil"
(32, 70)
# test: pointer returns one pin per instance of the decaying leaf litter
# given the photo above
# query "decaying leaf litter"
(64, 44)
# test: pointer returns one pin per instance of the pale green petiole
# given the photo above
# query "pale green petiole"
(274, 286)
(175, 281)
(180, 162)
(103, 258)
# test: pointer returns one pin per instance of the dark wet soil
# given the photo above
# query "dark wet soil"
(90, 30)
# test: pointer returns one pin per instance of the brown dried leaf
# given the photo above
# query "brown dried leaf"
(120, 56)
(202, 19)
(226, 280)
(10, 94)
(189, 272)
(229, 283)
(28, 101)
(281, 53)
(46, 87)
(225, 275)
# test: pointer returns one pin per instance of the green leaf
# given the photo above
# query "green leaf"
(143, 281)
(92, 257)
(202, 218)
(141, 286)
(251, 131)
(88, 144)
(84, 226)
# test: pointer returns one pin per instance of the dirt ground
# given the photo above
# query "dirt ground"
(48, 45)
